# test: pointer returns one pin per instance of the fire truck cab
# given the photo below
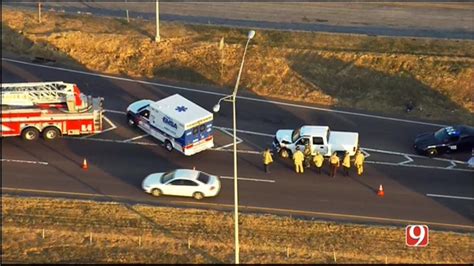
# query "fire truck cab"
(50, 109)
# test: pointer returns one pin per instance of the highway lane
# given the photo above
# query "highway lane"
(253, 115)
(432, 21)
(118, 168)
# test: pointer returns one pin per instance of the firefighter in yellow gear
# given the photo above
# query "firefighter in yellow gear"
(334, 163)
(318, 160)
(267, 160)
(298, 158)
(346, 163)
(359, 162)
(307, 156)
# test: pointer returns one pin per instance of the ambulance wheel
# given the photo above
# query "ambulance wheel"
(130, 121)
(50, 133)
(30, 133)
(168, 146)
(156, 192)
(284, 153)
(198, 195)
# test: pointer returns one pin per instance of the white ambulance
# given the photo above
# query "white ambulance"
(176, 121)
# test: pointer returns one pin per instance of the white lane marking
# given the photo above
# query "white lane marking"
(222, 94)
(392, 152)
(135, 138)
(113, 126)
(226, 146)
(24, 161)
(115, 112)
(114, 141)
(409, 160)
(249, 179)
(421, 166)
(449, 197)
(442, 159)
(154, 144)
(453, 164)
(414, 155)
(229, 134)
(366, 154)
(238, 151)
(248, 132)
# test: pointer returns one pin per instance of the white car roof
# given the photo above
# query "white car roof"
(314, 130)
(181, 109)
(186, 173)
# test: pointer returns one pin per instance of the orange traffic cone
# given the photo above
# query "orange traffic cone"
(381, 193)
(84, 164)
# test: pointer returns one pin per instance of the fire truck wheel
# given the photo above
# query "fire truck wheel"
(30, 133)
(50, 133)
(168, 146)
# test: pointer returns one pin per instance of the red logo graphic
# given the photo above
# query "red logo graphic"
(417, 235)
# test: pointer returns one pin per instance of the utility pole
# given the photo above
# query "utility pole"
(126, 11)
(157, 37)
(39, 11)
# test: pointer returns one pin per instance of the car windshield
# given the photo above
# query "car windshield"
(443, 134)
(296, 135)
(142, 108)
(167, 177)
(203, 177)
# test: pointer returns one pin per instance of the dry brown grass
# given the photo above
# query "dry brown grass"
(378, 74)
(143, 234)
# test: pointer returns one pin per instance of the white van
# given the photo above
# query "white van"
(176, 121)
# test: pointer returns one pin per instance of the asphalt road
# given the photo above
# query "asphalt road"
(429, 20)
(119, 159)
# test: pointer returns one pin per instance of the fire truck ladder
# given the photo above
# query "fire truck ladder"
(36, 93)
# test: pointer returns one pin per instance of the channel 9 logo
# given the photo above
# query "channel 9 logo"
(417, 235)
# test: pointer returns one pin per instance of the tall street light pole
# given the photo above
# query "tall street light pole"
(216, 108)
(157, 37)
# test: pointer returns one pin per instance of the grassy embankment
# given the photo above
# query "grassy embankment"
(144, 234)
(377, 74)
(368, 73)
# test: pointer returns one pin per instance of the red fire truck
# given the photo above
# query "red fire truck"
(50, 109)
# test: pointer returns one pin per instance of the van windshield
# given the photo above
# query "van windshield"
(295, 136)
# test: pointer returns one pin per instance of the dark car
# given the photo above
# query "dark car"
(445, 140)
